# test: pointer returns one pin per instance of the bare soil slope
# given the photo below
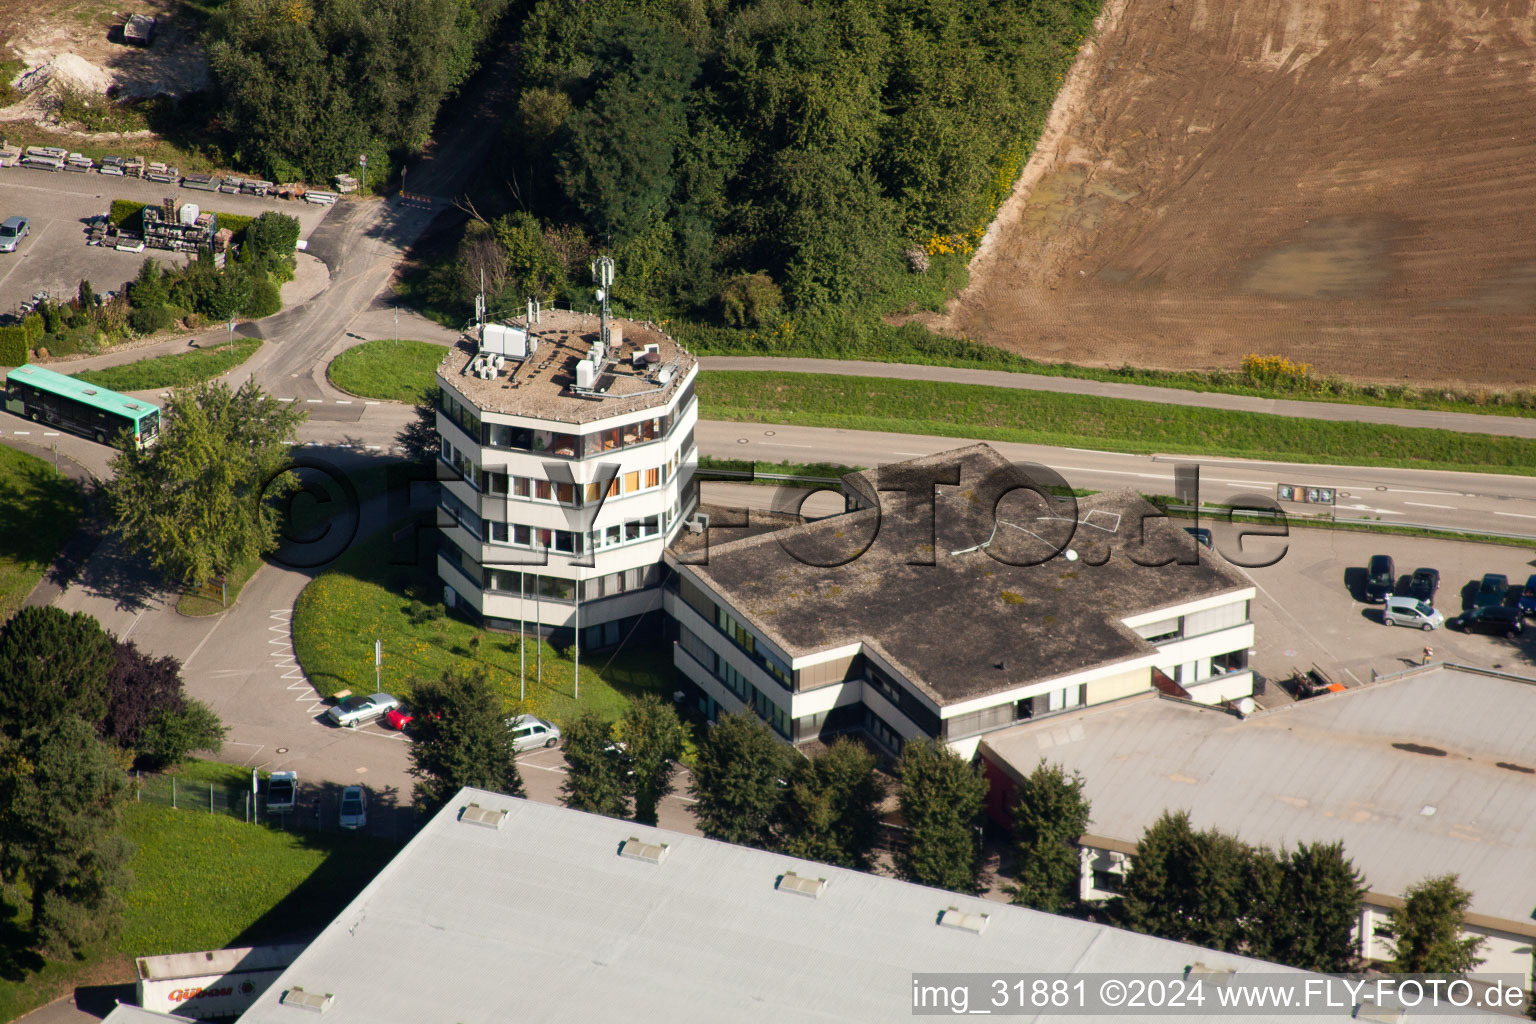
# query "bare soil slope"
(1351, 183)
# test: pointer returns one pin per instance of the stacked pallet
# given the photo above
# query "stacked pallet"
(161, 173)
(10, 155)
(179, 228)
(79, 163)
(201, 182)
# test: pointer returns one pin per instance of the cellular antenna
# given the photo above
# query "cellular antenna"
(602, 276)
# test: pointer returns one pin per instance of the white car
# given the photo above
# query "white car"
(355, 711)
(282, 792)
(529, 732)
(354, 808)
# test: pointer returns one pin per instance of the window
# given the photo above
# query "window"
(496, 483)
(653, 478)
(613, 488)
(593, 493)
(542, 490)
(521, 534)
(1232, 661)
(1157, 632)
(880, 732)
(520, 486)
(496, 532)
(460, 513)
(631, 482)
(565, 494)
(1107, 881)
(1213, 619)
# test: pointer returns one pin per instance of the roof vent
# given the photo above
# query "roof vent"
(474, 814)
(653, 853)
(312, 1001)
(954, 917)
(89, 391)
(812, 887)
(1199, 968)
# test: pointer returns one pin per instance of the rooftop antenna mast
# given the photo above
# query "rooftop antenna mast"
(602, 276)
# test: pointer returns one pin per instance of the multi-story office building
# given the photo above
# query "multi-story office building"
(944, 605)
(571, 466)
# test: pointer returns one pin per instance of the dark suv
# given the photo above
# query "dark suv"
(1423, 584)
(1498, 619)
(1491, 590)
(1380, 578)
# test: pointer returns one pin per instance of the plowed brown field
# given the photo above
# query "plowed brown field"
(1350, 183)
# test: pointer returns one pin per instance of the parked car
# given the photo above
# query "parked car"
(355, 711)
(12, 231)
(354, 808)
(529, 732)
(1528, 597)
(1410, 611)
(1202, 535)
(1494, 618)
(1491, 590)
(1423, 584)
(282, 792)
(398, 718)
(1380, 578)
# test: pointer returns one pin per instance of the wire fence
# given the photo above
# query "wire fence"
(316, 807)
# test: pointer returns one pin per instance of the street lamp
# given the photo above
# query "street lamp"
(362, 163)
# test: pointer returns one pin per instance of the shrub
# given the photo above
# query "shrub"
(150, 319)
(33, 325)
(1278, 373)
(13, 346)
(750, 299)
(265, 299)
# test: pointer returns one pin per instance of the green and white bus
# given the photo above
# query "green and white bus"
(80, 408)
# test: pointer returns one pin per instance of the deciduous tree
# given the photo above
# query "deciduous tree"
(832, 810)
(738, 781)
(462, 740)
(60, 789)
(596, 778)
(941, 801)
(1426, 932)
(205, 497)
(53, 665)
(1049, 815)
(1311, 920)
(653, 741)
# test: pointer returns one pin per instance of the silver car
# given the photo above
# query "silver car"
(355, 711)
(529, 732)
(354, 808)
(12, 231)
(1410, 611)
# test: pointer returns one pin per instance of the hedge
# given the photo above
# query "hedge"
(13, 346)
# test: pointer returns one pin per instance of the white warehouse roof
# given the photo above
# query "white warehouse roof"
(538, 918)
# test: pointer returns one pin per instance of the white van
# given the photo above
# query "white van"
(1410, 611)
(529, 732)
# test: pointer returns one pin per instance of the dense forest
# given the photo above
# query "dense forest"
(743, 161)
(302, 87)
(752, 164)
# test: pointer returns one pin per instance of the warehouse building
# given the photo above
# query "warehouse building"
(567, 440)
(1423, 773)
(506, 910)
(928, 616)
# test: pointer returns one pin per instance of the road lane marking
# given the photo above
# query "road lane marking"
(342, 401)
(1514, 515)
(314, 401)
(1423, 504)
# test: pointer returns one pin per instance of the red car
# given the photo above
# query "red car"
(398, 718)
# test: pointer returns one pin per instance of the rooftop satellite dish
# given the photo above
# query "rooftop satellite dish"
(1071, 555)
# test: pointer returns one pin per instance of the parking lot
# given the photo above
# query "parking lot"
(59, 204)
(1311, 606)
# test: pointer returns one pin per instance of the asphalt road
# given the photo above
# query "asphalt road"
(1480, 502)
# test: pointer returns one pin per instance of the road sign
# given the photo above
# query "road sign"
(362, 158)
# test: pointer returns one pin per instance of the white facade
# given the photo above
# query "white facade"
(532, 509)
(1205, 641)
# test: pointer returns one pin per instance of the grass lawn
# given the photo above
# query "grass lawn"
(211, 602)
(395, 371)
(40, 510)
(173, 371)
(368, 594)
(204, 881)
(825, 470)
(996, 414)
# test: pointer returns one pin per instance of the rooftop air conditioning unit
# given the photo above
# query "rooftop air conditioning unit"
(698, 524)
(586, 374)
